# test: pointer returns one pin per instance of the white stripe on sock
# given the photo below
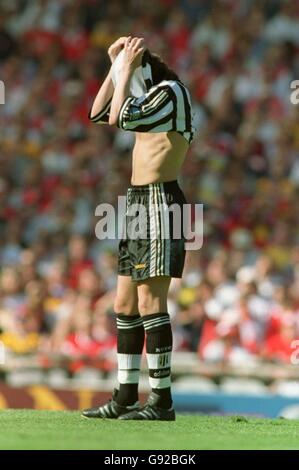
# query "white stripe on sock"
(128, 361)
(149, 321)
(129, 323)
(154, 325)
(164, 382)
(128, 376)
(159, 360)
(129, 327)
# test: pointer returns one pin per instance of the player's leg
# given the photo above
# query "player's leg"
(152, 304)
(130, 341)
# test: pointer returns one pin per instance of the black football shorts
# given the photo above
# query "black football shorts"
(153, 241)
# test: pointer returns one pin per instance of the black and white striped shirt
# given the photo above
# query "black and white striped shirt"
(165, 107)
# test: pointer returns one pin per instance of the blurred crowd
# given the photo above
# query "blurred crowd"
(239, 299)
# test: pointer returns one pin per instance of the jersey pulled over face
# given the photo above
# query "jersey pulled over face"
(162, 120)
(141, 79)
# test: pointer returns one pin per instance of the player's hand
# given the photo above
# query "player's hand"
(133, 50)
(116, 47)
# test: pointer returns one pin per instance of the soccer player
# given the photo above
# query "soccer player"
(141, 94)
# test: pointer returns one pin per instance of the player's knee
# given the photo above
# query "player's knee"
(124, 307)
(146, 305)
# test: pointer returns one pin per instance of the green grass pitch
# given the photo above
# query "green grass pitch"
(29, 429)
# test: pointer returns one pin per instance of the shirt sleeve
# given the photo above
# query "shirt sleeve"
(151, 110)
(102, 117)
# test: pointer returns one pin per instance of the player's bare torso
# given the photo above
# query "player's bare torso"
(157, 157)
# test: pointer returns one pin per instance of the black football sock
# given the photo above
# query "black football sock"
(158, 352)
(130, 342)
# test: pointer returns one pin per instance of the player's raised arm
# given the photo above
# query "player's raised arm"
(133, 50)
(100, 110)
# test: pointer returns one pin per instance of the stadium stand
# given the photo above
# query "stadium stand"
(236, 311)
